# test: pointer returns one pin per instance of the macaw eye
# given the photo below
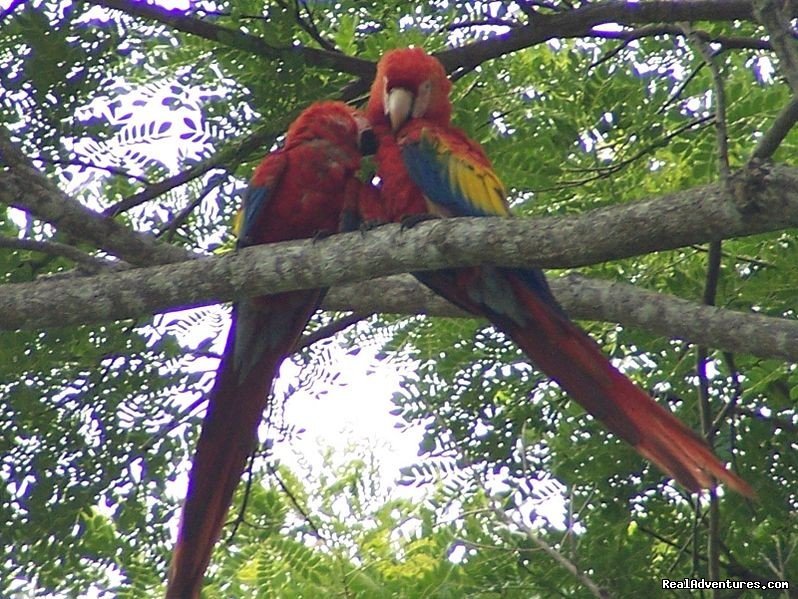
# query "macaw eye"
(422, 99)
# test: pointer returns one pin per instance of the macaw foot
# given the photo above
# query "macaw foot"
(408, 222)
(323, 234)
(351, 221)
(369, 225)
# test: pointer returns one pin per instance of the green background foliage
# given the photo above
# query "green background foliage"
(95, 419)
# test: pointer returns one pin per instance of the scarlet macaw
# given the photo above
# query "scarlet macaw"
(429, 167)
(296, 192)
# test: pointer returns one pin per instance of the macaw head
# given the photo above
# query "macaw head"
(409, 84)
(334, 122)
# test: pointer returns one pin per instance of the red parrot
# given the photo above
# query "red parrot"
(430, 168)
(297, 192)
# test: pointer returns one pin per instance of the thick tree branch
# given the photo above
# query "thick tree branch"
(768, 200)
(395, 294)
(727, 42)
(242, 41)
(69, 216)
(765, 199)
(591, 299)
(24, 187)
(581, 21)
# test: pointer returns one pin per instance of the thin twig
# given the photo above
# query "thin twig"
(553, 553)
(604, 172)
(710, 294)
(161, 187)
(737, 393)
(180, 419)
(245, 501)
(786, 423)
(328, 330)
(781, 38)
(773, 137)
(88, 263)
(309, 25)
(737, 257)
(109, 169)
(676, 94)
(171, 228)
(297, 506)
(777, 23)
(607, 56)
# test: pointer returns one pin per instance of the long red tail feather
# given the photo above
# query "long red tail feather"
(256, 345)
(570, 357)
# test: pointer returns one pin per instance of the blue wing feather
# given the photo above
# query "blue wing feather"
(258, 195)
(255, 201)
(455, 183)
(432, 175)
(464, 188)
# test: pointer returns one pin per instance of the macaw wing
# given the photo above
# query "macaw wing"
(454, 174)
(256, 198)
(456, 177)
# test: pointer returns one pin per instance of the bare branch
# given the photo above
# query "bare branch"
(560, 558)
(24, 187)
(772, 139)
(87, 261)
(581, 21)
(169, 230)
(776, 422)
(120, 172)
(242, 41)
(601, 172)
(262, 139)
(328, 330)
(620, 231)
(309, 25)
(670, 316)
(770, 15)
(784, 46)
(728, 42)
(590, 299)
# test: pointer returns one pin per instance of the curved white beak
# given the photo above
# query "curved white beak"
(398, 106)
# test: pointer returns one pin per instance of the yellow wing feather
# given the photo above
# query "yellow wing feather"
(476, 183)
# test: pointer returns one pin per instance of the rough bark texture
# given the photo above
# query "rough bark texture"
(765, 199)
(23, 186)
(591, 299)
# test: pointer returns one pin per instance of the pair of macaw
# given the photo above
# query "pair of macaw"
(427, 168)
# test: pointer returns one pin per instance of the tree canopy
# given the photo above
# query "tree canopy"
(647, 144)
